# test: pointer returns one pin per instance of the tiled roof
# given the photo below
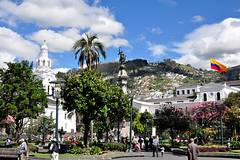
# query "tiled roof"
(188, 86)
(175, 98)
(235, 83)
(211, 87)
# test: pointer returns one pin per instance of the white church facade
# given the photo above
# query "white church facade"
(186, 97)
(43, 70)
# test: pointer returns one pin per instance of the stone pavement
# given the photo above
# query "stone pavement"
(169, 156)
(139, 156)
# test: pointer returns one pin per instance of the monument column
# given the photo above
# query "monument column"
(122, 73)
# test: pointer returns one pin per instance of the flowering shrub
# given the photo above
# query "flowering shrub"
(213, 148)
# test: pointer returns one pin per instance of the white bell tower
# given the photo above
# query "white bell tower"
(43, 62)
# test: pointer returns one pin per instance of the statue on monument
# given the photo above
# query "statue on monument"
(122, 59)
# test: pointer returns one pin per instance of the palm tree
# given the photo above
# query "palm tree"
(89, 49)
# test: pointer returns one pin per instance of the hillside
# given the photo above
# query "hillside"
(158, 76)
(233, 73)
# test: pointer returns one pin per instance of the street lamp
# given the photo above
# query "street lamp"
(56, 93)
(131, 95)
(220, 107)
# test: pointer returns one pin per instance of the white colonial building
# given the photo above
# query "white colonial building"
(66, 120)
(185, 97)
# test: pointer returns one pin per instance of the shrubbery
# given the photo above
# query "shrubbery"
(32, 148)
(235, 144)
(213, 148)
(97, 148)
(76, 150)
(94, 150)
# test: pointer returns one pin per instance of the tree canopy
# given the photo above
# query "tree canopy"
(173, 119)
(94, 98)
(21, 94)
(89, 50)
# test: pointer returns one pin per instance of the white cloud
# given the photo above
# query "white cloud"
(198, 18)
(57, 41)
(156, 49)
(65, 19)
(14, 46)
(5, 57)
(220, 40)
(110, 41)
(63, 70)
(64, 40)
(62, 13)
(156, 30)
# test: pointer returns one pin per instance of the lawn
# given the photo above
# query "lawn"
(62, 156)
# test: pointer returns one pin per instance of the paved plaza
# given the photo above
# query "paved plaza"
(169, 156)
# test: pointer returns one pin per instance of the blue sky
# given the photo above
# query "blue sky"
(188, 31)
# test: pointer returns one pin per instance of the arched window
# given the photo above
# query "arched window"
(43, 62)
(38, 62)
(218, 96)
(49, 63)
(204, 96)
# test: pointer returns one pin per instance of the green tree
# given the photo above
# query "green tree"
(233, 100)
(138, 127)
(21, 94)
(89, 50)
(43, 126)
(118, 105)
(146, 119)
(172, 119)
(232, 114)
(232, 119)
(85, 93)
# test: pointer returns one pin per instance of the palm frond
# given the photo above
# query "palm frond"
(101, 48)
(88, 50)
(79, 44)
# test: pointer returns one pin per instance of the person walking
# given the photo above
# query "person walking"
(146, 141)
(150, 142)
(155, 145)
(54, 149)
(192, 150)
(162, 150)
(22, 152)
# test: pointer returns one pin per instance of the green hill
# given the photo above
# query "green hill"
(159, 76)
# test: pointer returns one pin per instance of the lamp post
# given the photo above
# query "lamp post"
(220, 107)
(56, 93)
(131, 94)
(130, 127)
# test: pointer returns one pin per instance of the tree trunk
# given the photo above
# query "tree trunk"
(118, 132)
(171, 135)
(107, 136)
(86, 131)
(235, 132)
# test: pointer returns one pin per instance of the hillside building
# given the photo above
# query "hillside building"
(186, 96)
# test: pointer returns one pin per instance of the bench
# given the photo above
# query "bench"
(8, 153)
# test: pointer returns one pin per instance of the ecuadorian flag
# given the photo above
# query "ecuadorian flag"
(215, 65)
